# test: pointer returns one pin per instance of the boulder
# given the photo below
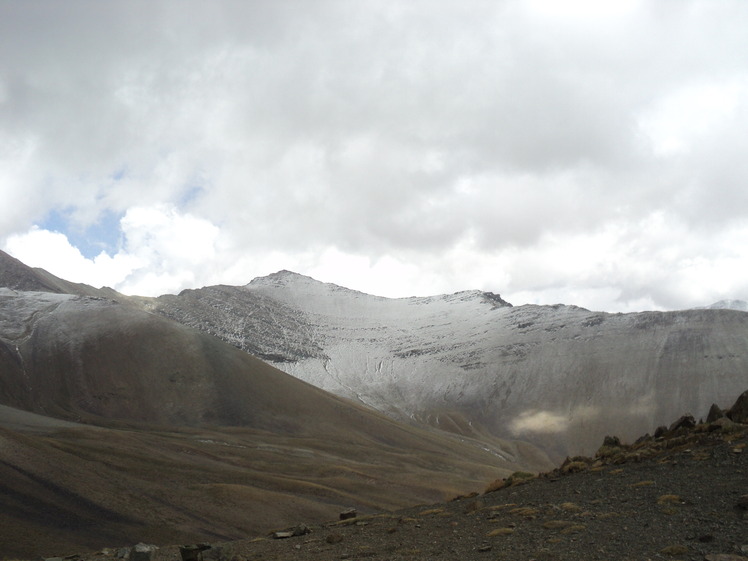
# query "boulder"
(348, 514)
(612, 441)
(685, 422)
(300, 530)
(714, 413)
(739, 411)
(142, 552)
(723, 424)
(660, 431)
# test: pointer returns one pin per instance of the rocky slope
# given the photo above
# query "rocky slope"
(680, 495)
(558, 376)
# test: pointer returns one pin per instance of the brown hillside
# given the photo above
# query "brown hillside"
(681, 496)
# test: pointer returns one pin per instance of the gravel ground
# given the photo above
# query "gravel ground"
(686, 500)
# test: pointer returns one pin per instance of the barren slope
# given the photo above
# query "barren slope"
(559, 376)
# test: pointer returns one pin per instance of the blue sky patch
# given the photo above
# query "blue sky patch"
(91, 240)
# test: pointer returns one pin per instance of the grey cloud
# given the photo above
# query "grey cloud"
(375, 127)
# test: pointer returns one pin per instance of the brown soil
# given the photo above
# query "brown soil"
(673, 498)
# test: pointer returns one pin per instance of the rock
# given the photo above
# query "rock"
(714, 413)
(348, 514)
(142, 552)
(660, 431)
(612, 441)
(193, 552)
(643, 439)
(739, 411)
(725, 557)
(299, 530)
(685, 422)
(123, 553)
(282, 535)
(723, 424)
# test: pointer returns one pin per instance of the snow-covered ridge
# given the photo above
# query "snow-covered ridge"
(560, 376)
(739, 305)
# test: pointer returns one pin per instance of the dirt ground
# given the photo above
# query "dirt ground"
(682, 498)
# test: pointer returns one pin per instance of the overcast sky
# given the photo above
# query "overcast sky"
(585, 152)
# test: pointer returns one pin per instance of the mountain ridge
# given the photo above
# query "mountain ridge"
(470, 360)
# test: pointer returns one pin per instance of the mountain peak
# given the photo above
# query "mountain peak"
(740, 305)
(283, 277)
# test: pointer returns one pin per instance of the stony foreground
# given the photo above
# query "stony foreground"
(683, 496)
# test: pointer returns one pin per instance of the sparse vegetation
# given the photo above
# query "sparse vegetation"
(525, 511)
(557, 524)
(516, 478)
(574, 529)
(500, 532)
(669, 499)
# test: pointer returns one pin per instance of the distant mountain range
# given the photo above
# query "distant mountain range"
(740, 305)
(561, 377)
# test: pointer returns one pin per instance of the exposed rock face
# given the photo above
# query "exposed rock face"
(684, 422)
(558, 376)
(739, 411)
(714, 413)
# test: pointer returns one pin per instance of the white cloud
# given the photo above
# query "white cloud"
(163, 251)
(53, 252)
(536, 421)
(679, 122)
(521, 147)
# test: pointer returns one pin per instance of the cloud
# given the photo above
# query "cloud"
(553, 154)
(539, 422)
(549, 422)
(53, 252)
(162, 250)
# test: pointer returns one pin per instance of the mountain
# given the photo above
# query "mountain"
(18, 276)
(119, 425)
(741, 305)
(560, 377)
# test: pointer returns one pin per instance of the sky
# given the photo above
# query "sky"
(578, 152)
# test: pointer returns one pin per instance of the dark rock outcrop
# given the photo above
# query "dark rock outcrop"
(739, 411)
(714, 413)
